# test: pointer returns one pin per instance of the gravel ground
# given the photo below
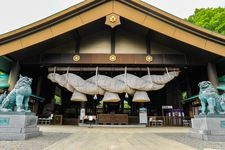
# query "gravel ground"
(48, 138)
(37, 143)
(195, 143)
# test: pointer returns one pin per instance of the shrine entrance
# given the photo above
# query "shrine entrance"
(70, 108)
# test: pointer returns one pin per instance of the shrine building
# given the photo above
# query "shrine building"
(113, 58)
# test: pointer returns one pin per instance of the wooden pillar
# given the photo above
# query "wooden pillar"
(189, 94)
(104, 108)
(132, 108)
(212, 74)
(94, 109)
(170, 93)
(141, 104)
(173, 95)
(122, 106)
(13, 76)
(83, 104)
(187, 78)
(178, 97)
(38, 92)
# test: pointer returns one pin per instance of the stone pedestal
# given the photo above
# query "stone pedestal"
(208, 128)
(18, 126)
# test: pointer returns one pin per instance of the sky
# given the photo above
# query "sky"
(18, 13)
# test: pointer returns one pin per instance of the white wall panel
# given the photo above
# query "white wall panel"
(96, 43)
(129, 43)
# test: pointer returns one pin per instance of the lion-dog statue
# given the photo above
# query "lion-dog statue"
(2, 97)
(209, 96)
(19, 96)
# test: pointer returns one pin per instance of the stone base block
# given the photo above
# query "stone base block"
(208, 128)
(18, 136)
(18, 126)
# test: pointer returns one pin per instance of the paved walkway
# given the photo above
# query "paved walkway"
(83, 138)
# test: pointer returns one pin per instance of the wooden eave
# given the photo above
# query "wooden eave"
(91, 10)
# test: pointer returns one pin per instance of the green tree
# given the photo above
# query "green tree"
(209, 18)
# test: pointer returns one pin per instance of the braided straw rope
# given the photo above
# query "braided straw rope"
(101, 84)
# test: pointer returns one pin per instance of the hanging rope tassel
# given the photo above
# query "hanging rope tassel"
(125, 80)
(149, 75)
(167, 72)
(96, 82)
(54, 70)
(67, 74)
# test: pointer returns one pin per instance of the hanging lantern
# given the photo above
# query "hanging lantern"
(141, 96)
(111, 97)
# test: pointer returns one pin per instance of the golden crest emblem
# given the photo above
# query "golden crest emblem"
(76, 58)
(112, 57)
(112, 20)
(149, 58)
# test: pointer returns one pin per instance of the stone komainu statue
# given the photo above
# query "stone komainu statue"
(19, 96)
(209, 96)
(2, 97)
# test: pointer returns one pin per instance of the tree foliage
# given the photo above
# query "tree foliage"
(209, 18)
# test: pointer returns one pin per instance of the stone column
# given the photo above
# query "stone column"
(212, 74)
(13, 76)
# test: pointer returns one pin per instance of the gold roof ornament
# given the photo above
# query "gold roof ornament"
(112, 20)
(149, 58)
(76, 58)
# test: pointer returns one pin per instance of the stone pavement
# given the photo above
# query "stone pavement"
(83, 138)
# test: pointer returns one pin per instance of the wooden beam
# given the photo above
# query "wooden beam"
(77, 38)
(63, 69)
(148, 40)
(129, 59)
(113, 43)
